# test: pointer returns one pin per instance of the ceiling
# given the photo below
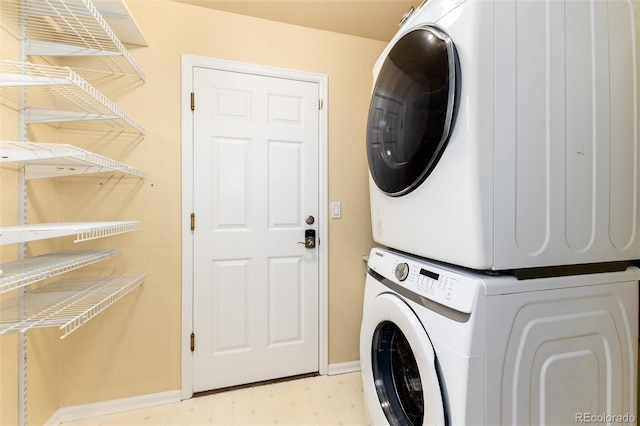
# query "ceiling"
(375, 19)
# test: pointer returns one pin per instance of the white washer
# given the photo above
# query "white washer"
(510, 126)
(446, 346)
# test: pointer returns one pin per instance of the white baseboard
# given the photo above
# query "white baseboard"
(343, 368)
(78, 412)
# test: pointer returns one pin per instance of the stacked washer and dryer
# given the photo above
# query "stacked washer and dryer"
(503, 153)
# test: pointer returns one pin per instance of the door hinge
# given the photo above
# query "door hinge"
(193, 221)
(320, 104)
(193, 101)
(193, 342)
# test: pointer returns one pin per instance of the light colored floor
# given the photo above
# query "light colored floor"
(322, 400)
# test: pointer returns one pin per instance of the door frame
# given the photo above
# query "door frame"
(188, 63)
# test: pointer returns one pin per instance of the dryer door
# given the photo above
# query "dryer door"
(400, 379)
(412, 110)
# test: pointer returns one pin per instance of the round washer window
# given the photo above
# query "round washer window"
(411, 110)
(396, 376)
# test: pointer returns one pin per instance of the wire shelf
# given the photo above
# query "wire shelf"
(57, 95)
(46, 160)
(65, 28)
(67, 304)
(21, 273)
(84, 231)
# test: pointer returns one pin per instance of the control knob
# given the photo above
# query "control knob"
(402, 271)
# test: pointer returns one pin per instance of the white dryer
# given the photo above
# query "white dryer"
(447, 346)
(504, 134)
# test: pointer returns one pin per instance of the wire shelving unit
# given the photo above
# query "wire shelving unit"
(67, 28)
(57, 95)
(21, 273)
(82, 35)
(84, 231)
(46, 160)
(67, 304)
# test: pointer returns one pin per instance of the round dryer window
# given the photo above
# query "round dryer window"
(412, 110)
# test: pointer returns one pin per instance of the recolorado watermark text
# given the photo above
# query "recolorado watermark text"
(605, 418)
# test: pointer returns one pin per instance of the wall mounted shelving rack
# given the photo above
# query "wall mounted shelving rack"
(77, 28)
(21, 273)
(64, 37)
(46, 160)
(56, 95)
(84, 231)
(67, 304)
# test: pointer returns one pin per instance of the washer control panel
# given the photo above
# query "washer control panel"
(453, 289)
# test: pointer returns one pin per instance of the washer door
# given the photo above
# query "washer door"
(411, 111)
(400, 378)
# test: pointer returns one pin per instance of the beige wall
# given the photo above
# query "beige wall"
(133, 348)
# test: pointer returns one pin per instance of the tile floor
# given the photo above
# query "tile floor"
(321, 400)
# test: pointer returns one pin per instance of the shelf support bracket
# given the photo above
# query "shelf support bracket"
(22, 219)
(22, 382)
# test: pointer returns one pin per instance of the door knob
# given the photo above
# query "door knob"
(309, 239)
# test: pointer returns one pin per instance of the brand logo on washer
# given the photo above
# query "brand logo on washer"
(379, 254)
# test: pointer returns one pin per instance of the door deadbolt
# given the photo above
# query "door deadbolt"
(310, 220)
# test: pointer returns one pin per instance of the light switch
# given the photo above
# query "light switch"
(336, 210)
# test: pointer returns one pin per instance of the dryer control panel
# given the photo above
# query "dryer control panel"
(429, 280)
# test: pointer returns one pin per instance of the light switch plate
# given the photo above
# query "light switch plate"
(336, 210)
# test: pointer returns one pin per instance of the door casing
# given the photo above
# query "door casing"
(188, 63)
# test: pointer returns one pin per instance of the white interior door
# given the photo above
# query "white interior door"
(255, 295)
